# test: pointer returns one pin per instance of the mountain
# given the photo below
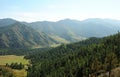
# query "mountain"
(18, 35)
(45, 33)
(75, 30)
(57, 31)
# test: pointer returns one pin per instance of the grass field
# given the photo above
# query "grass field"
(12, 59)
(20, 73)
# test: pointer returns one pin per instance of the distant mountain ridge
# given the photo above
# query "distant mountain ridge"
(16, 34)
(86, 28)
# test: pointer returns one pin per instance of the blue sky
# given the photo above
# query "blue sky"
(54, 10)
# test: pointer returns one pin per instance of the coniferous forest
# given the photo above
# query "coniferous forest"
(94, 57)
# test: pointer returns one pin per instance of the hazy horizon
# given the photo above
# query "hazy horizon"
(59, 19)
(55, 10)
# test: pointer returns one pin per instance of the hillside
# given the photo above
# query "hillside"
(56, 31)
(89, 58)
(18, 35)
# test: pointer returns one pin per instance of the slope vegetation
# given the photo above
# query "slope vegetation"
(89, 58)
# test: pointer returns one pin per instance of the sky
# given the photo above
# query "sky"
(54, 10)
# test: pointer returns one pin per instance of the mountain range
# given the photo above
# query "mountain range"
(16, 34)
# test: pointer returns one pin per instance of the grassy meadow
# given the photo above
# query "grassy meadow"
(20, 73)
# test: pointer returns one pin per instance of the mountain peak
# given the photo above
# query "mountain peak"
(68, 21)
(7, 19)
(7, 22)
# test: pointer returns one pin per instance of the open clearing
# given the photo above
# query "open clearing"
(12, 59)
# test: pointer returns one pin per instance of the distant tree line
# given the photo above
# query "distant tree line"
(15, 65)
(17, 51)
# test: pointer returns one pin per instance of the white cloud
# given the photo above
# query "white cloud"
(33, 16)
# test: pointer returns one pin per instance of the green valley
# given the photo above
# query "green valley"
(59, 49)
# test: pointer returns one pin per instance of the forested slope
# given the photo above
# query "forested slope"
(88, 58)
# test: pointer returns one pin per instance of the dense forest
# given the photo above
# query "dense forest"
(88, 58)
